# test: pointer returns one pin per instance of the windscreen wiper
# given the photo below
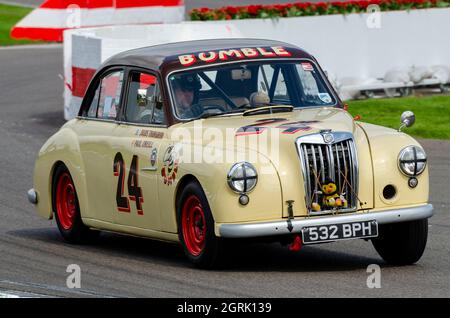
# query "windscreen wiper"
(207, 115)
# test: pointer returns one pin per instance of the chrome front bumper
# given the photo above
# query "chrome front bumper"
(280, 227)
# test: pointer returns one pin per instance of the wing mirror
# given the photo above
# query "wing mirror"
(407, 119)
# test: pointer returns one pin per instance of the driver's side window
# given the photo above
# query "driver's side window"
(144, 103)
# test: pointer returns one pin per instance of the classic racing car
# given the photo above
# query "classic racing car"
(206, 142)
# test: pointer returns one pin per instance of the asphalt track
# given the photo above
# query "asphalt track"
(34, 258)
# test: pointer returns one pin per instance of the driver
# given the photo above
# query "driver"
(186, 88)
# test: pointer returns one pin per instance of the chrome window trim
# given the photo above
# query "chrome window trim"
(96, 119)
(317, 138)
(143, 125)
(118, 122)
(318, 69)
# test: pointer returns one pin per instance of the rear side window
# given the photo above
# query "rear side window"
(144, 104)
(106, 101)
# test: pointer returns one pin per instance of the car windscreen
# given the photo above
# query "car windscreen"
(239, 87)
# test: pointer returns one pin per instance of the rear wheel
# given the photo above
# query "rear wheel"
(196, 227)
(402, 243)
(67, 209)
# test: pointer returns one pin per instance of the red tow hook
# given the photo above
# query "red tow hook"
(296, 245)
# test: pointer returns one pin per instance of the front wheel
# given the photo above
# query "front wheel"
(402, 243)
(196, 227)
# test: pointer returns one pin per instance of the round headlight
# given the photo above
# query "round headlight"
(412, 160)
(242, 177)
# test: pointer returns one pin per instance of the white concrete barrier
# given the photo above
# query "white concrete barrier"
(344, 45)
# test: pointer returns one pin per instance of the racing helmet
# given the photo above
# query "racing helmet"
(186, 82)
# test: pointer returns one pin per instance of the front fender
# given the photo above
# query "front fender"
(385, 146)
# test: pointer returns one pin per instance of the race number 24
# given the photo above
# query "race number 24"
(134, 191)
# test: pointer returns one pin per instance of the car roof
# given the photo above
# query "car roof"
(161, 57)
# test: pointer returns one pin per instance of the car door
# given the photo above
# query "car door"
(138, 140)
(95, 131)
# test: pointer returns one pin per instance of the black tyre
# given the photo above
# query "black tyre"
(402, 243)
(196, 228)
(67, 209)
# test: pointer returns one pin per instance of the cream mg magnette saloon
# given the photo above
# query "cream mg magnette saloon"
(207, 142)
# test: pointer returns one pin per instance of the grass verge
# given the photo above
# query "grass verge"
(9, 16)
(432, 114)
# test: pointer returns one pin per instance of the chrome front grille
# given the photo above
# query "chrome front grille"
(329, 156)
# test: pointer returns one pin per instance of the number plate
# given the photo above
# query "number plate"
(342, 231)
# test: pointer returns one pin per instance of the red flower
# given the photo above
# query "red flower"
(376, 2)
(362, 4)
(338, 4)
(308, 8)
(302, 5)
(322, 5)
(231, 10)
(280, 8)
(254, 9)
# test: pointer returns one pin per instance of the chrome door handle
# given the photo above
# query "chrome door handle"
(149, 169)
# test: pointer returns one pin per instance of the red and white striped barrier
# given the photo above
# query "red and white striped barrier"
(54, 16)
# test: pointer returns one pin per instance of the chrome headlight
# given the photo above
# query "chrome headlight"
(412, 161)
(242, 177)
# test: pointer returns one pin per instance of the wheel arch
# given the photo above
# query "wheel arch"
(52, 181)
(184, 181)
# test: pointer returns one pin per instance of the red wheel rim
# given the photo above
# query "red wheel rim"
(193, 225)
(66, 207)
